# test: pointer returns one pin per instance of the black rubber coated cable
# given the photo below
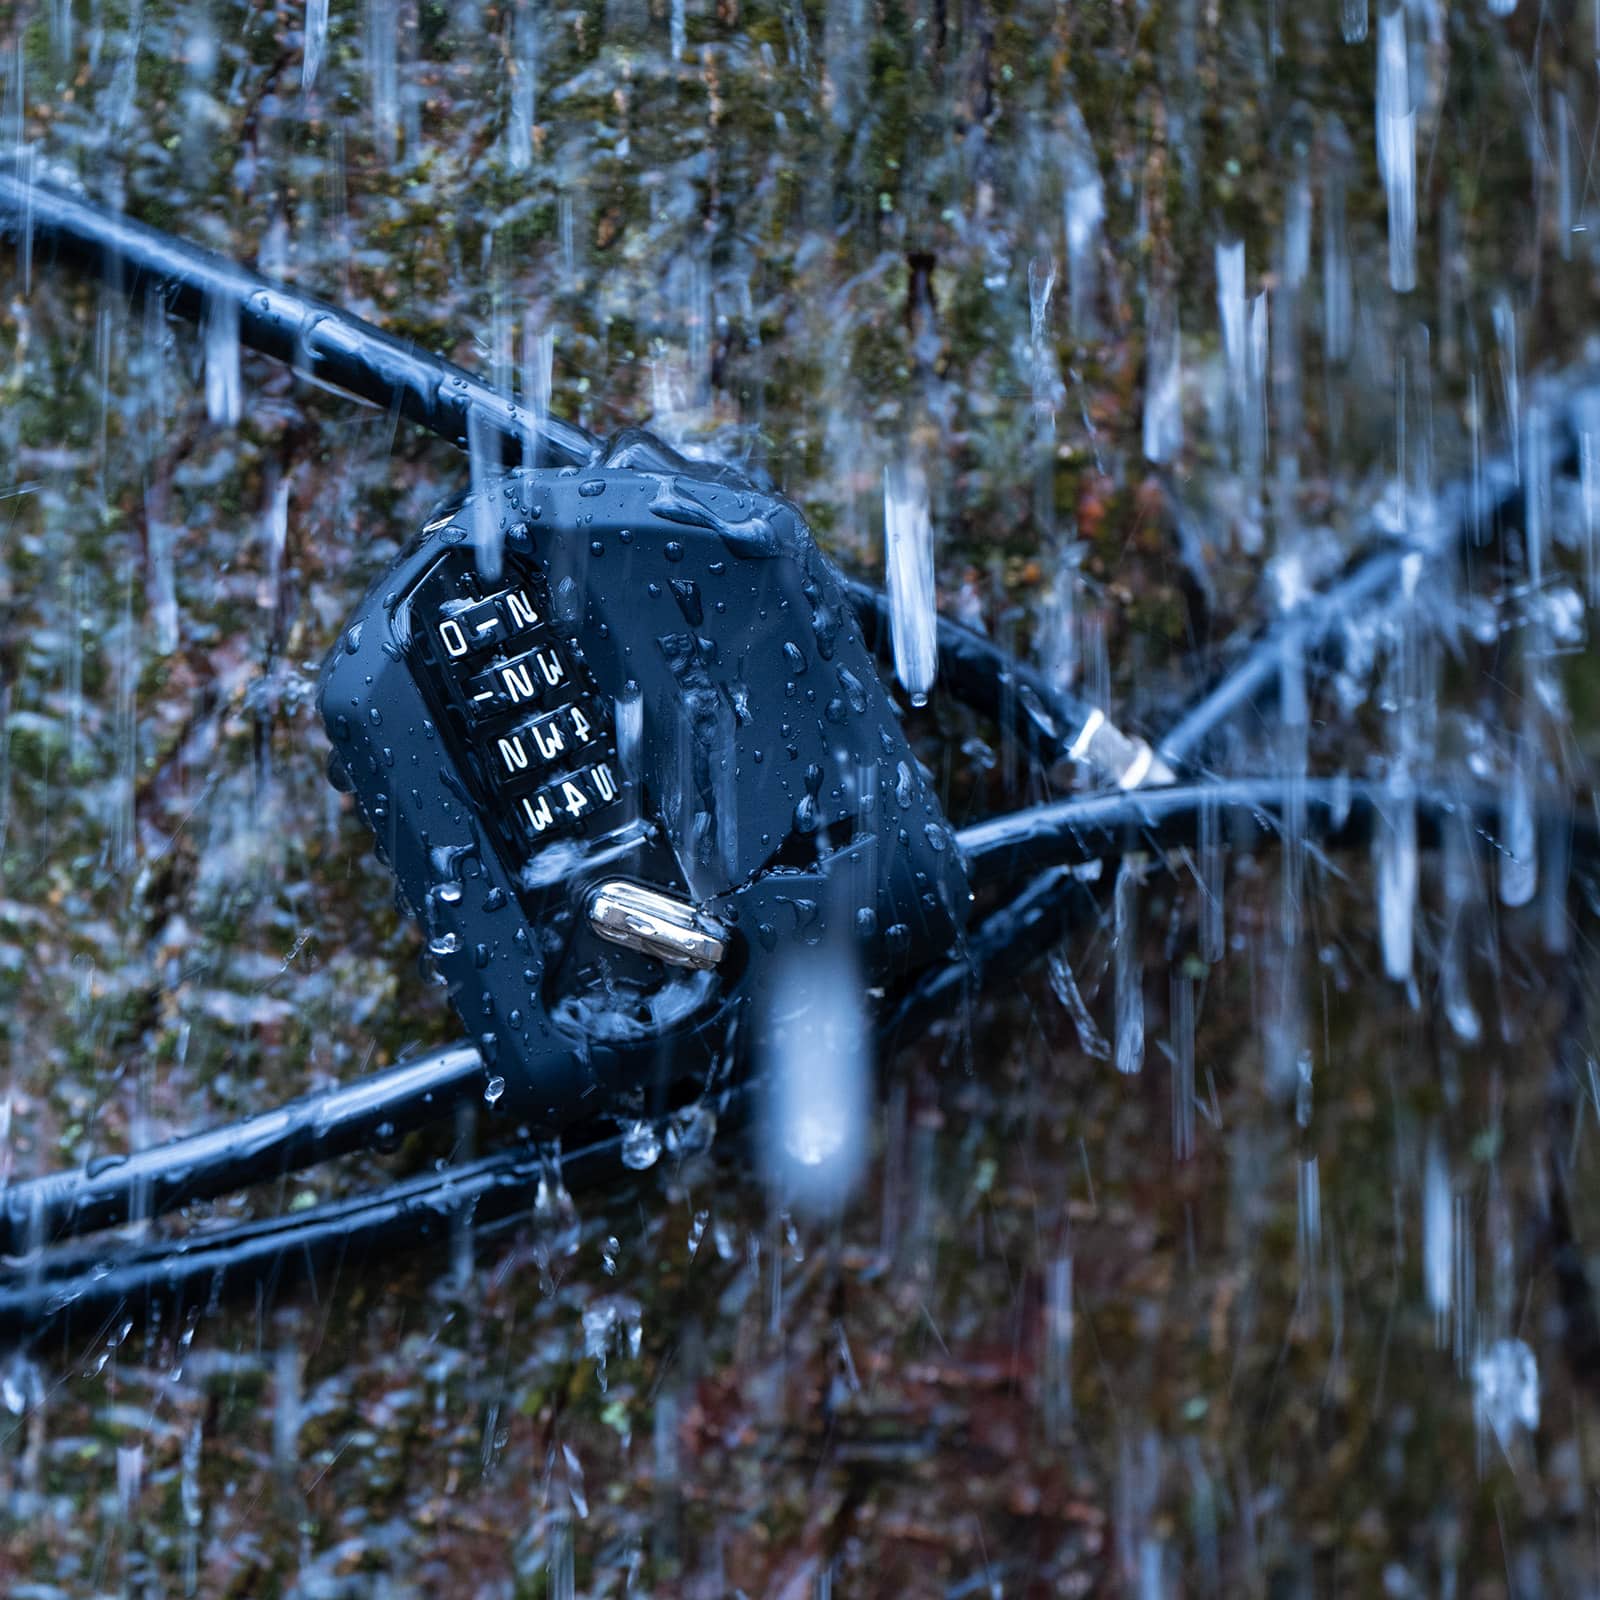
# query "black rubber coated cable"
(1375, 577)
(373, 1111)
(982, 675)
(314, 338)
(83, 1292)
(1334, 813)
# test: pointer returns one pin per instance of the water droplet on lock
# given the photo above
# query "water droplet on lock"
(855, 693)
(450, 892)
(687, 595)
(494, 1089)
(444, 944)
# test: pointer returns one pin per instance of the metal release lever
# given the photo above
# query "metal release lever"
(656, 924)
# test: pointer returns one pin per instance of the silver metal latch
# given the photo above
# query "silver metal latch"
(656, 924)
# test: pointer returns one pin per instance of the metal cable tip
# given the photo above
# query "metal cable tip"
(1127, 761)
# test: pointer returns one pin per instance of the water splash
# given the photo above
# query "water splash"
(483, 456)
(1084, 211)
(613, 1324)
(641, 1145)
(1519, 853)
(1183, 1096)
(908, 554)
(1064, 985)
(1163, 398)
(223, 387)
(1506, 1390)
(1397, 867)
(818, 1076)
(1058, 1331)
(1397, 149)
(522, 86)
(316, 39)
(1128, 969)
(1041, 352)
(538, 375)
(383, 75)
(1438, 1237)
(1338, 292)
(1231, 312)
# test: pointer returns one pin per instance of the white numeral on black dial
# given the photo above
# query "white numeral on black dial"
(536, 810)
(520, 611)
(518, 682)
(547, 735)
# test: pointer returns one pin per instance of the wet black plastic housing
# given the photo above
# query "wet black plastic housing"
(634, 672)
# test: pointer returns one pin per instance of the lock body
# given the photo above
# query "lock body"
(620, 740)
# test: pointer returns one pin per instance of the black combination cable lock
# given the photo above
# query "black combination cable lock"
(618, 729)
(617, 734)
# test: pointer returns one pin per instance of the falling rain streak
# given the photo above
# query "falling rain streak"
(1397, 148)
(908, 559)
